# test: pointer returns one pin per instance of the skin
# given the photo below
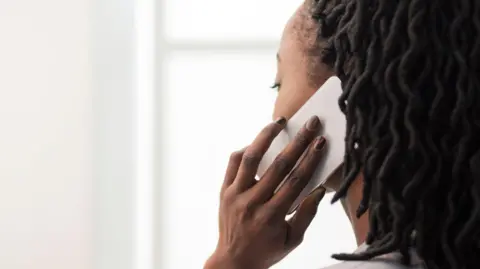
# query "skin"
(254, 232)
(294, 83)
(297, 85)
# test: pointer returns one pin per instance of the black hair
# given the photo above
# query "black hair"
(410, 72)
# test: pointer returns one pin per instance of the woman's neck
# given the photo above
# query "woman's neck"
(350, 204)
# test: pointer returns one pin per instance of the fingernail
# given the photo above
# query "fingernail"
(319, 194)
(313, 123)
(281, 121)
(320, 143)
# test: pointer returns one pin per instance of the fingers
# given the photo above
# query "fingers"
(254, 153)
(285, 161)
(303, 217)
(298, 179)
(232, 168)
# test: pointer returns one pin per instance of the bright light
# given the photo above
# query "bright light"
(145, 42)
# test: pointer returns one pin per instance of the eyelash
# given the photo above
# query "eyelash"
(276, 86)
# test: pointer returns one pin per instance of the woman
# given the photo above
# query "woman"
(411, 184)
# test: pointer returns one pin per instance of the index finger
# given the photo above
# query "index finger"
(254, 153)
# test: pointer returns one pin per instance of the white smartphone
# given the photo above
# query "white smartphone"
(324, 104)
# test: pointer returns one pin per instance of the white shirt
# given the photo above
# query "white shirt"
(387, 261)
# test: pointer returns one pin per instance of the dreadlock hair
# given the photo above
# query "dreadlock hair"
(410, 72)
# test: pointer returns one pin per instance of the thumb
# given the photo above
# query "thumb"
(304, 216)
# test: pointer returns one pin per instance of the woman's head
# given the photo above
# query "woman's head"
(300, 71)
(410, 71)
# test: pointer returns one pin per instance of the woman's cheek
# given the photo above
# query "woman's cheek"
(290, 100)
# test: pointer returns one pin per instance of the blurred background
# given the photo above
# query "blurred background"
(117, 118)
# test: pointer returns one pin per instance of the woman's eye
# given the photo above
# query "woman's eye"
(276, 86)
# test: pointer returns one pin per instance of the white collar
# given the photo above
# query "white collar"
(361, 248)
(395, 256)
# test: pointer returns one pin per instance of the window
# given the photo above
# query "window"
(174, 95)
(217, 63)
(202, 73)
(216, 21)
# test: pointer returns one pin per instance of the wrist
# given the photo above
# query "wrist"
(219, 261)
(216, 262)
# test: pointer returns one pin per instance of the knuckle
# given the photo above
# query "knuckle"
(270, 214)
(282, 163)
(227, 195)
(251, 158)
(245, 207)
(236, 156)
(266, 217)
(302, 139)
(296, 179)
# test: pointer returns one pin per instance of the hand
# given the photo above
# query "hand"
(253, 231)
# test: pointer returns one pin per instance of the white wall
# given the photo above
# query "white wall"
(45, 135)
(71, 193)
(113, 65)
